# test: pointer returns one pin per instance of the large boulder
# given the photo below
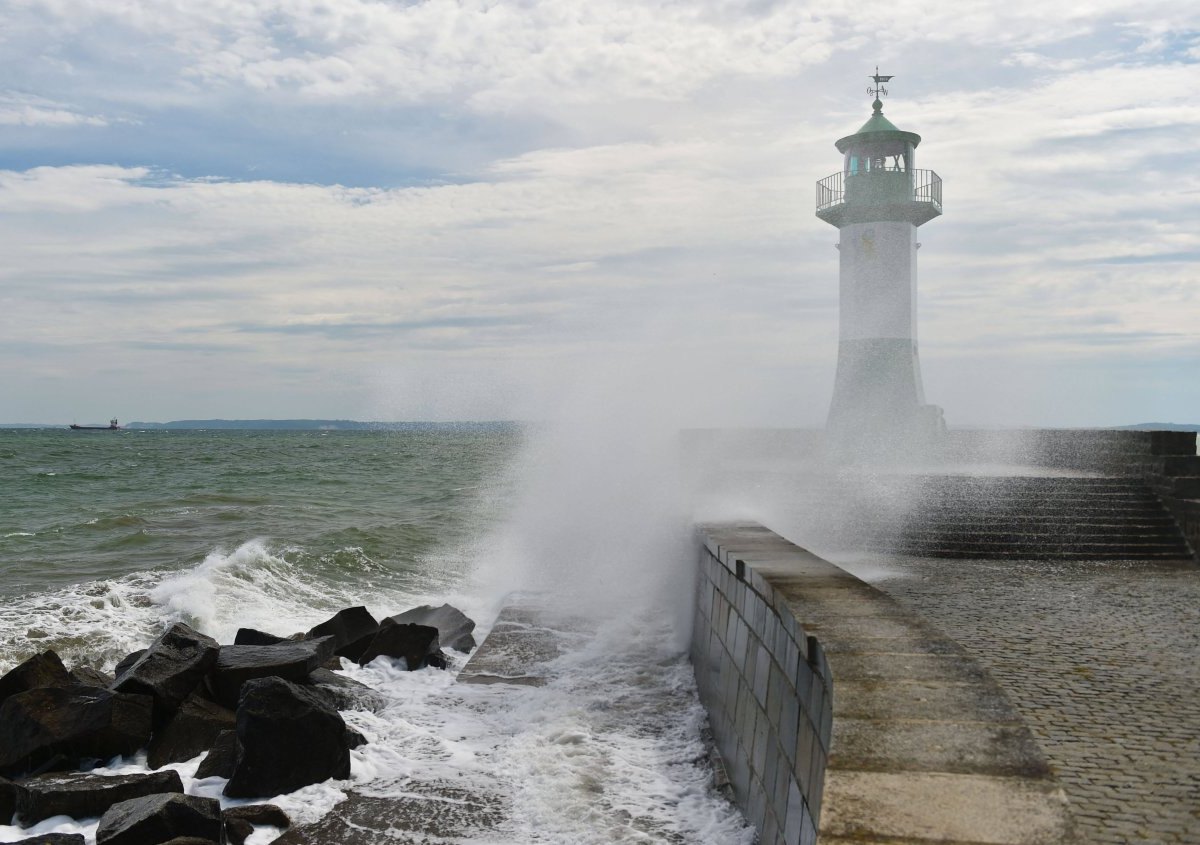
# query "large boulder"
(344, 693)
(240, 821)
(170, 670)
(292, 661)
(89, 676)
(354, 739)
(53, 839)
(221, 757)
(288, 737)
(454, 627)
(352, 630)
(252, 636)
(191, 731)
(8, 800)
(54, 728)
(41, 670)
(156, 819)
(128, 660)
(82, 796)
(417, 644)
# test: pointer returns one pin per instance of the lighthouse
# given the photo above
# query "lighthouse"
(877, 201)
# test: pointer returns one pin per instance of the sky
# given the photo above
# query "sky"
(459, 210)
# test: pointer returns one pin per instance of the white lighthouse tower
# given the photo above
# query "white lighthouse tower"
(877, 201)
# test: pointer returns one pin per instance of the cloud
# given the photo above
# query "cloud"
(18, 109)
(473, 193)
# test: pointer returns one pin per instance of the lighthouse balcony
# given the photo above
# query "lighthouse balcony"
(889, 193)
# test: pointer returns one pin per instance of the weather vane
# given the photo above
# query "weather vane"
(878, 91)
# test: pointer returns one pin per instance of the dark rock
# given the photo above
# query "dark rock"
(259, 814)
(159, 818)
(454, 627)
(288, 737)
(424, 812)
(170, 670)
(240, 821)
(53, 839)
(437, 660)
(127, 661)
(352, 630)
(82, 796)
(354, 739)
(188, 840)
(221, 757)
(250, 636)
(191, 731)
(292, 661)
(415, 643)
(41, 670)
(8, 800)
(88, 676)
(237, 831)
(344, 693)
(57, 727)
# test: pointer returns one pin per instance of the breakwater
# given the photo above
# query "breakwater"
(898, 733)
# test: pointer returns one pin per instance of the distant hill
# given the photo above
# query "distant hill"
(322, 425)
(1160, 427)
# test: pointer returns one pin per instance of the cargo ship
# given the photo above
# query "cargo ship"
(112, 426)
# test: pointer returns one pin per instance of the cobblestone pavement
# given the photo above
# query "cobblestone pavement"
(1103, 659)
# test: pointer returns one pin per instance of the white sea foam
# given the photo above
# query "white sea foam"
(254, 585)
(606, 752)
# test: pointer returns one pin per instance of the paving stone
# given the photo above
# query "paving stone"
(1103, 662)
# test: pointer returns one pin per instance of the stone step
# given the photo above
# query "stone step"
(1026, 554)
(1126, 549)
(1008, 544)
(1182, 487)
(1103, 524)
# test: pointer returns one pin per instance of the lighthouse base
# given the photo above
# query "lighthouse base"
(878, 403)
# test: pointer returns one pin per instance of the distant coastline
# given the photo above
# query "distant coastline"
(296, 425)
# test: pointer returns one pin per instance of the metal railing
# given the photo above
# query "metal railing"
(926, 186)
(831, 191)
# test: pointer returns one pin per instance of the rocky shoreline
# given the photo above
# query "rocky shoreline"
(263, 710)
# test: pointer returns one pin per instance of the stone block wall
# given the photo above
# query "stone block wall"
(769, 694)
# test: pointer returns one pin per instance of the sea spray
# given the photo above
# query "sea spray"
(600, 525)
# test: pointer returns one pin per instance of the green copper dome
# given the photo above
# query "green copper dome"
(877, 128)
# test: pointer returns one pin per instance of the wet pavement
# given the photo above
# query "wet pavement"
(1103, 661)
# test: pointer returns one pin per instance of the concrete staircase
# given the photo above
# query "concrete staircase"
(1035, 494)
(1053, 517)
(1038, 518)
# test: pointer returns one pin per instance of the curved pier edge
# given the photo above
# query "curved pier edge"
(839, 711)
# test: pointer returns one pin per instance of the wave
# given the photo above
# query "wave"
(125, 520)
(278, 589)
(135, 540)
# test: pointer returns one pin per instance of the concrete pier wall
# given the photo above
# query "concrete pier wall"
(768, 691)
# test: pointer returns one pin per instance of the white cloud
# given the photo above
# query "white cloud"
(18, 109)
(632, 174)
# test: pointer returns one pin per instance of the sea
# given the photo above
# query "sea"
(108, 537)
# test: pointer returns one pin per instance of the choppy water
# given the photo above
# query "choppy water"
(106, 537)
(220, 526)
